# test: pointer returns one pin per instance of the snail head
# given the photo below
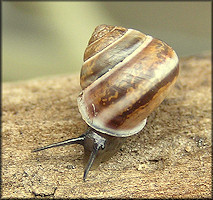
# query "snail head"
(98, 147)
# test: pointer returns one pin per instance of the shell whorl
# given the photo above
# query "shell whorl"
(108, 46)
(126, 74)
(102, 36)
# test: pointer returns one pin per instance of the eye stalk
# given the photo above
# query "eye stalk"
(92, 142)
(78, 140)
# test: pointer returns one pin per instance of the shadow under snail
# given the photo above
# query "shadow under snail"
(125, 76)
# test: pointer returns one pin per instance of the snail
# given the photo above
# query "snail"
(125, 76)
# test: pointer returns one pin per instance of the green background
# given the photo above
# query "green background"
(49, 38)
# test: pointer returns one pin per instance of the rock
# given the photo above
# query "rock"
(174, 147)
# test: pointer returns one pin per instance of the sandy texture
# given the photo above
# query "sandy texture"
(171, 157)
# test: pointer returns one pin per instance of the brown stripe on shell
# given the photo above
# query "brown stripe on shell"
(150, 100)
(131, 75)
(139, 74)
(106, 60)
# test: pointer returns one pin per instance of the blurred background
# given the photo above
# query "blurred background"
(49, 38)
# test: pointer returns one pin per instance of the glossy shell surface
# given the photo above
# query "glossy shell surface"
(125, 76)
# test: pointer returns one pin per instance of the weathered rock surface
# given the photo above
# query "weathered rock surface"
(171, 157)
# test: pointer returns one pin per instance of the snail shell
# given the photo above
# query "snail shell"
(125, 76)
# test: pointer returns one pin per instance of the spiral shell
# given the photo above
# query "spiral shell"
(125, 76)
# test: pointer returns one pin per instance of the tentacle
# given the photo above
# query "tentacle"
(78, 140)
(99, 143)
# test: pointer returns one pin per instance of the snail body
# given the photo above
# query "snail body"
(125, 76)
